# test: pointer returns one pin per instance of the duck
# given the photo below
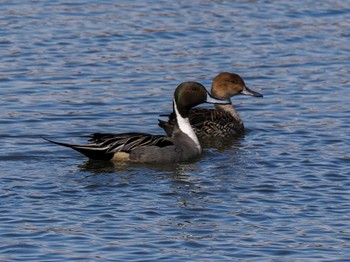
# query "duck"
(182, 145)
(223, 121)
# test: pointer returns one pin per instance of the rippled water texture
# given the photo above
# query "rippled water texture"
(280, 193)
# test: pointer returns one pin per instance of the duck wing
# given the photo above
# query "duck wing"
(126, 142)
(104, 146)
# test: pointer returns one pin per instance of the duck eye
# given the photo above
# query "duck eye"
(233, 81)
(194, 88)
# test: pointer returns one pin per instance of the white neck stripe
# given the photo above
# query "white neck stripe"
(185, 127)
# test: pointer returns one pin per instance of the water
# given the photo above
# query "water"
(69, 69)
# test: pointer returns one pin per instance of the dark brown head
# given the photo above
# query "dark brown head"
(225, 85)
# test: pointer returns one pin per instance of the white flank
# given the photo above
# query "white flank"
(185, 127)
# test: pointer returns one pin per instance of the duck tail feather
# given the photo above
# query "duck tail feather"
(91, 151)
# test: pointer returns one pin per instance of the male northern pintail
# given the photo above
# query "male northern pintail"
(220, 122)
(182, 145)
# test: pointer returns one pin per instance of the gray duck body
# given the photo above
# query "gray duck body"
(181, 145)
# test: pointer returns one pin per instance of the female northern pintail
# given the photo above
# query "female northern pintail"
(222, 121)
(182, 145)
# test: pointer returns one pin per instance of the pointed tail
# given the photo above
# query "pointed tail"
(90, 150)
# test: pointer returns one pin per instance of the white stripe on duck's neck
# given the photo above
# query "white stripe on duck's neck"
(185, 127)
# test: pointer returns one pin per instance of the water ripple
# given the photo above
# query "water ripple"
(70, 69)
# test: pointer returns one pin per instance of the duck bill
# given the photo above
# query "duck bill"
(212, 100)
(249, 92)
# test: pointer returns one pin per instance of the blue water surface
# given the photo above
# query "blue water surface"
(280, 193)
